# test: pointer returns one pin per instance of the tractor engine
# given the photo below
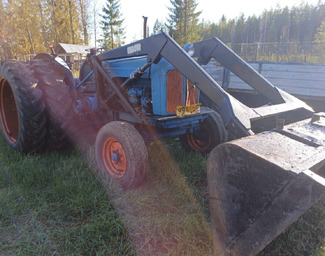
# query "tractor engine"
(139, 94)
(158, 91)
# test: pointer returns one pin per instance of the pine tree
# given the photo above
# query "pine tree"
(158, 27)
(113, 32)
(184, 21)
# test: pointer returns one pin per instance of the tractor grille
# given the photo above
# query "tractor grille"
(175, 91)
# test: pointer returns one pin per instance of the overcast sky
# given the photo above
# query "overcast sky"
(212, 10)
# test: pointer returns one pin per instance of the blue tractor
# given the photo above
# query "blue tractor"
(259, 183)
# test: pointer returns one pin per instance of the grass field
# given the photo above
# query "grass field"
(54, 204)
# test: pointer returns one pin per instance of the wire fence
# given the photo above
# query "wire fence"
(306, 52)
(311, 52)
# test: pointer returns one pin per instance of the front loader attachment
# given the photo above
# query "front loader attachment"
(261, 184)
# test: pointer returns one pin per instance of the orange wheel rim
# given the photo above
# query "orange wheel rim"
(114, 157)
(8, 112)
(200, 144)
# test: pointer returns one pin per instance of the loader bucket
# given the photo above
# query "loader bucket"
(259, 185)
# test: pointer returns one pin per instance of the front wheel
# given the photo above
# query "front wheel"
(121, 154)
(212, 133)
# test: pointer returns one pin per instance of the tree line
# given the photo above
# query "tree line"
(28, 27)
(298, 23)
(304, 22)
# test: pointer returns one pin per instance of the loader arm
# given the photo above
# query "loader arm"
(214, 48)
(237, 117)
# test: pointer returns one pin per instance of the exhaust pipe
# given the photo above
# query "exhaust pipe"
(145, 19)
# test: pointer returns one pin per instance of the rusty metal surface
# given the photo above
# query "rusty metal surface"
(261, 184)
(174, 90)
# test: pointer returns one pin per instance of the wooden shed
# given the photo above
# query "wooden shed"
(73, 54)
(71, 48)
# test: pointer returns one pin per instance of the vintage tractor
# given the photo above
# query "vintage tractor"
(259, 183)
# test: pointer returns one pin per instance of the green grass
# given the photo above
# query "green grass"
(54, 204)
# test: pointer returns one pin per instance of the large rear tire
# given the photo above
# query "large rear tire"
(121, 154)
(22, 113)
(212, 133)
(59, 94)
(57, 97)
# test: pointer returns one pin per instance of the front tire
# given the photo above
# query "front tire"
(212, 133)
(121, 154)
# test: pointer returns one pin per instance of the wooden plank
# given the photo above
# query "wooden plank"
(317, 77)
(236, 83)
(240, 87)
(299, 79)
(304, 91)
(308, 89)
(254, 65)
(216, 72)
(278, 81)
(307, 68)
(239, 84)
